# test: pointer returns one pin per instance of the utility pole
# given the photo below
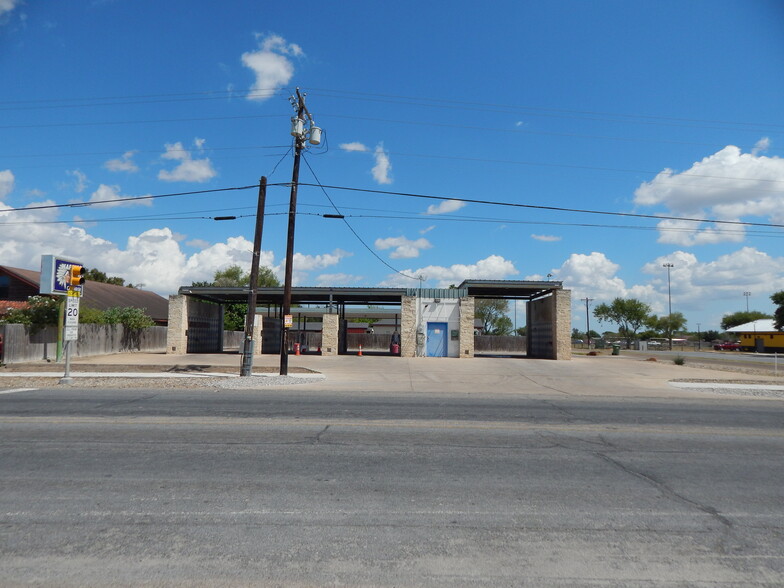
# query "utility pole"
(669, 266)
(587, 321)
(313, 135)
(250, 317)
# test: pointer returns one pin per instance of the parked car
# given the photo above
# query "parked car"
(727, 346)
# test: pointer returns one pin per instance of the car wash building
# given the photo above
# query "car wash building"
(428, 322)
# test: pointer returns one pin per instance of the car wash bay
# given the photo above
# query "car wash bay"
(425, 322)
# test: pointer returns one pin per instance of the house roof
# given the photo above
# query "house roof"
(102, 296)
(758, 326)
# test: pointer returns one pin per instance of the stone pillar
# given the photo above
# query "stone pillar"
(408, 324)
(329, 334)
(562, 324)
(257, 334)
(466, 327)
(176, 332)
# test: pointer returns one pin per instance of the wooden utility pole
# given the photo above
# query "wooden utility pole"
(587, 321)
(299, 144)
(250, 317)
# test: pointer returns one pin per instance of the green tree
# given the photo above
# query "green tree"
(492, 313)
(667, 325)
(89, 315)
(128, 316)
(629, 314)
(96, 275)
(710, 335)
(41, 311)
(741, 317)
(778, 315)
(234, 277)
(521, 331)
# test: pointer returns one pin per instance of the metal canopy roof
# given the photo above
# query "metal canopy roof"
(299, 295)
(509, 289)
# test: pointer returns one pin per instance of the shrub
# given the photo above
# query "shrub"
(680, 360)
(129, 317)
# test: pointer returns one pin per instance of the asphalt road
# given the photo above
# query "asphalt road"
(184, 487)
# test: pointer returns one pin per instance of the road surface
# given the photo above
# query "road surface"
(290, 487)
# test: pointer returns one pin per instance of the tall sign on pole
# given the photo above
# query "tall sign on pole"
(64, 277)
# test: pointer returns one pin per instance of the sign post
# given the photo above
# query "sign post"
(64, 277)
(71, 331)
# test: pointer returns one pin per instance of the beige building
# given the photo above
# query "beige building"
(432, 322)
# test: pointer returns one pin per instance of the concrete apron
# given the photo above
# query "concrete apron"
(604, 375)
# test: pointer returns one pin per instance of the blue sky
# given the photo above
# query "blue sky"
(652, 108)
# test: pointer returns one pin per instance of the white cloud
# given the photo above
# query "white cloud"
(154, 257)
(761, 145)
(687, 234)
(198, 243)
(6, 182)
(403, 248)
(107, 194)
(493, 267)
(271, 65)
(728, 185)
(355, 146)
(81, 182)
(189, 169)
(546, 238)
(337, 279)
(304, 263)
(122, 164)
(426, 230)
(7, 6)
(445, 207)
(692, 282)
(383, 166)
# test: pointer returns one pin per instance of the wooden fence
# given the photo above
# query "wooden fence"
(19, 345)
(499, 344)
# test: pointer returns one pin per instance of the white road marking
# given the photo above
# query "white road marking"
(14, 390)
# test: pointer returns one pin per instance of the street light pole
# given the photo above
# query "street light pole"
(747, 294)
(669, 299)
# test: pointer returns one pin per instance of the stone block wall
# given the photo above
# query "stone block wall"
(329, 334)
(176, 339)
(408, 324)
(563, 324)
(467, 309)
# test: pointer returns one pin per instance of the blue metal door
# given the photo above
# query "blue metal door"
(436, 339)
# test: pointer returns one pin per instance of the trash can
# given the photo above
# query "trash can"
(616, 349)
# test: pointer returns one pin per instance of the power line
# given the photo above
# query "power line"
(537, 110)
(135, 151)
(557, 224)
(542, 207)
(134, 122)
(350, 228)
(129, 199)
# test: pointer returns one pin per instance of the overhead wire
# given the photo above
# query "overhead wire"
(350, 228)
(543, 207)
